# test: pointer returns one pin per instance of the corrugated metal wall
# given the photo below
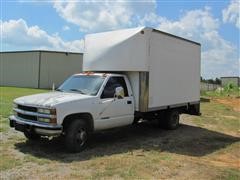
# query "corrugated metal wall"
(234, 80)
(19, 69)
(38, 69)
(56, 67)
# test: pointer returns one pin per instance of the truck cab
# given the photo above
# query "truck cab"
(84, 103)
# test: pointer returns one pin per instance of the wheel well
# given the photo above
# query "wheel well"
(180, 109)
(159, 113)
(86, 117)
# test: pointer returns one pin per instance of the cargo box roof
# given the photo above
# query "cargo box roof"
(122, 50)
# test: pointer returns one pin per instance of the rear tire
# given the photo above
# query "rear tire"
(76, 136)
(172, 120)
(32, 136)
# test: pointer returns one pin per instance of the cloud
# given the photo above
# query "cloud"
(17, 35)
(219, 56)
(66, 28)
(231, 13)
(151, 19)
(93, 16)
(193, 24)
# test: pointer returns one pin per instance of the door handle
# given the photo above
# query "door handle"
(129, 102)
(106, 101)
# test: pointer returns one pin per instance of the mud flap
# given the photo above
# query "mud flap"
(194, 109)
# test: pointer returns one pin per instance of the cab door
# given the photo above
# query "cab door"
(114, 111)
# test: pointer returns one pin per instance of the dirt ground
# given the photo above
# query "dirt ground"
(205, 147)
(232, 102)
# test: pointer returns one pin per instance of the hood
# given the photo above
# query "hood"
(50, 99)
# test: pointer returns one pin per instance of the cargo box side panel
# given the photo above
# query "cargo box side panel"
(174, 71)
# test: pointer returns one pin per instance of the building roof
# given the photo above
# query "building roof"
(48, 51)
(231, 77)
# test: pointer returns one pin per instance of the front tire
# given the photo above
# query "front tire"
(76, 136)
(172, 120)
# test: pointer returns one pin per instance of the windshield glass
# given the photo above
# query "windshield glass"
(82, 84)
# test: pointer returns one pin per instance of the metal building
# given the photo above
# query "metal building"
(235, 80)
(38, 69)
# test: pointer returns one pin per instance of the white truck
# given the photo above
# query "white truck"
(129, 75)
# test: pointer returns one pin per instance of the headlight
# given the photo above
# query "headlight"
(47, 120)
(44, 111)
(47, 111)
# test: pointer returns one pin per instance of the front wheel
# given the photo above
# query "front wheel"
(172, 119)
(76, 136)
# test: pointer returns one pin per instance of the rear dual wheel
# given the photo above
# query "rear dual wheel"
(170, 119)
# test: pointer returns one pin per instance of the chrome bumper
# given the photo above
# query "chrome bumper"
(39, 127)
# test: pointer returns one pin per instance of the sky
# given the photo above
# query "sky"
(62, 25)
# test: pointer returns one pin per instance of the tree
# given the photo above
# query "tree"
(211, 81)
(218, 81)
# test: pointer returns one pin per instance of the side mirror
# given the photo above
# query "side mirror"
(119, 92)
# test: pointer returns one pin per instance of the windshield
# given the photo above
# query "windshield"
(82, 84)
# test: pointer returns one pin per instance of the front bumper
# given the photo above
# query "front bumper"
(38, 127)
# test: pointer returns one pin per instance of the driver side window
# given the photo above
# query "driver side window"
(111, 85)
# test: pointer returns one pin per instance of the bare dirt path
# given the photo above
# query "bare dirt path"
(232, 102)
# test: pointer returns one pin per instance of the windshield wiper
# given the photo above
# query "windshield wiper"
(77, 90)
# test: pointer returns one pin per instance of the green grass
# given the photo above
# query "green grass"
(230, 174)
(8, 162)
(222, 93)
(7, 95)
(219, 116)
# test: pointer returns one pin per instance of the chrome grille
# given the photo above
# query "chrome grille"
(24, 116)
(30, 113)
(27, 108)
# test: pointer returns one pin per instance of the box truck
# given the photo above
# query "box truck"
(129, 75)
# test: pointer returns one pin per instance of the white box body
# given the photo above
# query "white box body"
(163, 69)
